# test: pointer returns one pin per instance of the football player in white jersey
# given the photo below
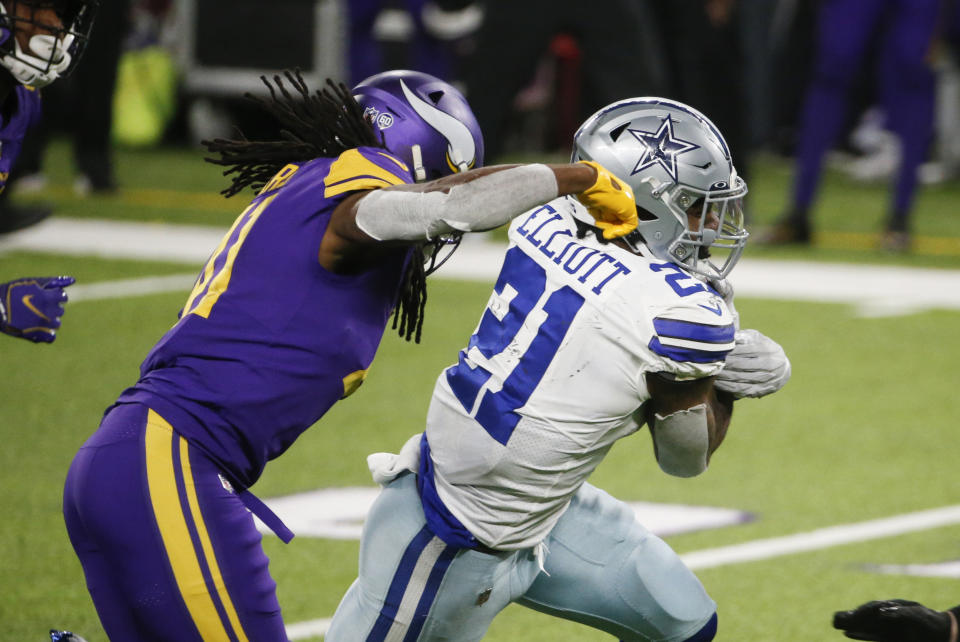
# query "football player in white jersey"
(584, 340)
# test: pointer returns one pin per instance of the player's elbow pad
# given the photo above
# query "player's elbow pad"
(481, 204)
(681, 441)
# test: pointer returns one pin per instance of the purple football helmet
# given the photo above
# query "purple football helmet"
(424, 121)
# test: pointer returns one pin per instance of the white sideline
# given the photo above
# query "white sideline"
(873, 290)
(763, 549)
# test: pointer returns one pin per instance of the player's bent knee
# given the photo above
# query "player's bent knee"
(707, 633)
(666, 600)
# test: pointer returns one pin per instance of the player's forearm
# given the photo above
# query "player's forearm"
(721, 409)
(574, 178)
(474, 203)
(571, 178)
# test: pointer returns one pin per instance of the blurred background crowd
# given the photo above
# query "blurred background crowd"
(873, 82)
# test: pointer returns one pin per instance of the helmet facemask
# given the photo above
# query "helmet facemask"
(715, 235)
(58, 32)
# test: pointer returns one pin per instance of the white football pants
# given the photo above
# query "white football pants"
(603, 569)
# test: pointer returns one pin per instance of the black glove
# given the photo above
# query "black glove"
(894, 621)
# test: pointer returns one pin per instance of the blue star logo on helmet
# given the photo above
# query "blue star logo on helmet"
(661, 148)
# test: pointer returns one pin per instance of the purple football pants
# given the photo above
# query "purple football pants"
(906, 84)
(169, 551)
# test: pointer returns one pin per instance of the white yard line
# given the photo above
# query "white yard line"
(822, 538)
(764, 549)
(131, 287)
(873, 290)
(308, 629)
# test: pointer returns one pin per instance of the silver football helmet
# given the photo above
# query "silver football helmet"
(689, 197)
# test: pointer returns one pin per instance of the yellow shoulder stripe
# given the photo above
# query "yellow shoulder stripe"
(353, 171)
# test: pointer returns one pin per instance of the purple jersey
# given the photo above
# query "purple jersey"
(269, 340)
(13, 129)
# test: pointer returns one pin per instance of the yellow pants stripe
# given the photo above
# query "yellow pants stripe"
(207, 544)
(162, 482)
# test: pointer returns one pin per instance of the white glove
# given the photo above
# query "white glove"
(756, 367)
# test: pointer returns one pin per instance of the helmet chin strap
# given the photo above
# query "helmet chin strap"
(39, 71)
(419, 173)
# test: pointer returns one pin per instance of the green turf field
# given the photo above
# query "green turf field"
(865, 429)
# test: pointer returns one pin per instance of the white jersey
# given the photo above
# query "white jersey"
(555, 373)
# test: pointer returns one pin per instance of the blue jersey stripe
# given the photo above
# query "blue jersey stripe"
(691, 331)
(398, 586)
(691, 355)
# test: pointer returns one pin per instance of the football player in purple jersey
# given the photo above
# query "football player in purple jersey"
(284, 321)
(40, 40)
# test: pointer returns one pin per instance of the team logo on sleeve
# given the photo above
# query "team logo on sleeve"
(661, 148)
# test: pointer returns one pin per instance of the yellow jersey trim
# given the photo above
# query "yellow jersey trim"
(352, 171)
(221, 280)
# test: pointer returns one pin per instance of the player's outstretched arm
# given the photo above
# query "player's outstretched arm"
(898, 621)
(31, 307)
(688, 421)
(472, 201)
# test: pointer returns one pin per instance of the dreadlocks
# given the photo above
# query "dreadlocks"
(324, 123)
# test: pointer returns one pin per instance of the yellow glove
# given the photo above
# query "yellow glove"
(610, 202)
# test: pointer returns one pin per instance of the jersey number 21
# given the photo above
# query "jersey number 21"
(525, 281)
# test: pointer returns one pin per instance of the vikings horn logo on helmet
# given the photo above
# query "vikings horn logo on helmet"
(461, 149)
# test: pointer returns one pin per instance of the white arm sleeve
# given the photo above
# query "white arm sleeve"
(681, 441)
(481, 204)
